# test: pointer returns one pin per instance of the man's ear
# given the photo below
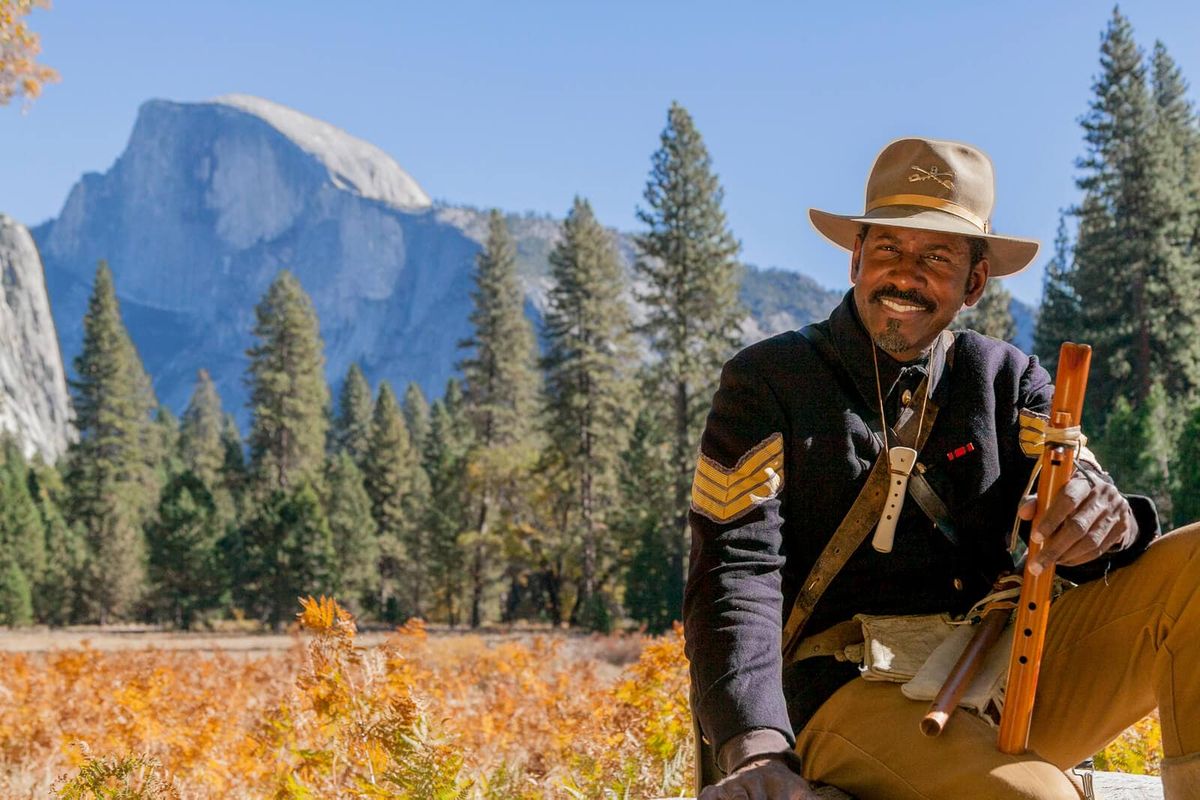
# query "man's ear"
(856, 259)
(977, 282)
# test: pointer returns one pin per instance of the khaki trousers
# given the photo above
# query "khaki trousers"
(1114, 651)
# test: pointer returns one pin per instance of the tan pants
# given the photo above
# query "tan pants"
(1113, 652)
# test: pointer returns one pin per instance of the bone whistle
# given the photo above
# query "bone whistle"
(900, 465)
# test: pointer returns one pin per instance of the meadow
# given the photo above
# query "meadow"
(327, 713)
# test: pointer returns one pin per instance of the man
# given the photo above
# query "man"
(795, 427)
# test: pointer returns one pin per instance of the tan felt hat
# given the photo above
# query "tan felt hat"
(936, 186)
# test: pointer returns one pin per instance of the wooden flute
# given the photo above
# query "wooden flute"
(1033, 610)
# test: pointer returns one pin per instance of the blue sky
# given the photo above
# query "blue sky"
(522, 105)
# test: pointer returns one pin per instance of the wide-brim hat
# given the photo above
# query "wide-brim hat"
(936, 186)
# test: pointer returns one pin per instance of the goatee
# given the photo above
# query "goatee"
(890, 341)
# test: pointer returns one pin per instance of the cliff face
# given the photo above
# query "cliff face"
(34, 402)
(209, 200)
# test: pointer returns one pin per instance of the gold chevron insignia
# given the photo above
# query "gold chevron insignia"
(723, 495)
(1033, 432)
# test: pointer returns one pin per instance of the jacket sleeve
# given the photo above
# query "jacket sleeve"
(1036, 394)
(733, 601)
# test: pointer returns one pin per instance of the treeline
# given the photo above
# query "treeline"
(549, 483)
(1128, 281)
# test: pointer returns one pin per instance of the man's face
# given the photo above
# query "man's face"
(909, 284)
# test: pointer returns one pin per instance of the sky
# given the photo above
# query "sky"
(524, 104)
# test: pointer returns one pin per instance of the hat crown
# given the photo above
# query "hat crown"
(953, 176)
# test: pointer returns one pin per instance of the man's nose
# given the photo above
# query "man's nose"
(909, 268)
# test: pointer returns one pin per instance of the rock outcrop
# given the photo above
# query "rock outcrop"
(34, 402)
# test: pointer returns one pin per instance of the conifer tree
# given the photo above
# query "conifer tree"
(1059, 317)
(588, 387)
(352, 426)
(1137, 447)
(1136, 286)
(992, 315)
(288, 393)
(111, 472)
(58, 597)
(355, 535)
(448, 514)
(688, 261)
(1187, 472)
(185, 566)
(288, 553)
(645, 523)
(16, 600)
(501, 393)
(416, 415)
(201, 447)
(391, 478)
(22, 533)
(163, 452)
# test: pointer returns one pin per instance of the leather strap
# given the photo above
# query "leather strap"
(862, 516)
(830, 642)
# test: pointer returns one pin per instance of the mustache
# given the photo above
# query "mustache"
(910, 296)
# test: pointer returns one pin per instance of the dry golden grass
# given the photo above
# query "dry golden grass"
(521, 716)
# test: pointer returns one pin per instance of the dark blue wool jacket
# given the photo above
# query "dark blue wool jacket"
(749, 556)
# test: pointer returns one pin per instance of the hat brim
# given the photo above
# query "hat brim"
(1006, 255)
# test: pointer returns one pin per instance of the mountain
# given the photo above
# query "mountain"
(34, 401)
(209, 200)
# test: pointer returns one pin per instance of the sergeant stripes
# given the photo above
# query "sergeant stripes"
(1033, 432)
(722, 495)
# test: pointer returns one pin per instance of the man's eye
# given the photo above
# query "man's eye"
(933, 257)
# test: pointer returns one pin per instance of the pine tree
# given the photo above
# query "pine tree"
(185, 566)
(1137, 448)
(1177, 289)
(1059, 318)
(111, 473)
(646, 523)
(58, 598)
(1187, 471)
(447, 514)
(352, 426)
(501, 393)
(288, 552)
(992, 315)
(391, 477)
(163, 450)
(16, 602)
(234, 472)
(355, 535)
(201, 447)
(688, 261)
(588, 389)
(1135, 282)
(416, 415)
(22, 533)
(288, 393)
(500, 376)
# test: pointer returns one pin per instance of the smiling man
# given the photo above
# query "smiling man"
(791, 483)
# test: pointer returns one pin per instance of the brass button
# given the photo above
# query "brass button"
(920, 468)
(906, 397)
(958, 584)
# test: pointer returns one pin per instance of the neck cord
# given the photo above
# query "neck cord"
(879, 394)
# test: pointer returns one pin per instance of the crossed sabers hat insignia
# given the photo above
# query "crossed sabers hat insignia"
(932, 174)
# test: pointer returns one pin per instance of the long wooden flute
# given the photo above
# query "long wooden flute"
(1033, 611)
